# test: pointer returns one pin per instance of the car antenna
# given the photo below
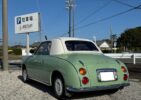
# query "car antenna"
(45, 37)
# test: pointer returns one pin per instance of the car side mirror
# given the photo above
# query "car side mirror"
(32, 51)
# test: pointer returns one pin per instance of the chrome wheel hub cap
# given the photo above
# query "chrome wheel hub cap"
(58, 87)
(24, 75)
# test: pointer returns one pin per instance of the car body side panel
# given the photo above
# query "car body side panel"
(32, 64)
(53, 63)
(67, 70)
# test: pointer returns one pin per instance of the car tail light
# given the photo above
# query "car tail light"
(85, 80)
(82, 71)
(125, 77)
(123, 69)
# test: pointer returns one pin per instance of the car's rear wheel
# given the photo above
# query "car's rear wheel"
(58, 86)
(24, 75)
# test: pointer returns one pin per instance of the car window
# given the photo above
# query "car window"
(44, 49)
(80, 46)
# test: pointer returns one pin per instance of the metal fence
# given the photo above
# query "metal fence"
(133, 57)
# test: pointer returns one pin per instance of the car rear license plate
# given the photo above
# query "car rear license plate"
(107, 76)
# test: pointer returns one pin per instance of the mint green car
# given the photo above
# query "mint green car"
(73, 65)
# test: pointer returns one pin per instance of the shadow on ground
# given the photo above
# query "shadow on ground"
(83, 95)
(39, 86)
(92, 94)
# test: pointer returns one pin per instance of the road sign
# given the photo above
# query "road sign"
(27, 23)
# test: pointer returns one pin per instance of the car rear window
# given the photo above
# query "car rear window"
(80, 46)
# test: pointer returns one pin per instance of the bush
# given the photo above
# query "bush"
(17, 51)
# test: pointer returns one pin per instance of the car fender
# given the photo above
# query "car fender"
(68, 72)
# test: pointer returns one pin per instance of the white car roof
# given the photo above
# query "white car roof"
(72, 38)
(59, 47)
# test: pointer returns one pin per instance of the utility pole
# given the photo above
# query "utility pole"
(70, 7)
(111, 39)
(27, 44)
(73, 20)
(40, 27)
(94, 39)
(5, 34)
(69, 19)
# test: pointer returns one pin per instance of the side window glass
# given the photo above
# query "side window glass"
(44, 49)
(39, 51)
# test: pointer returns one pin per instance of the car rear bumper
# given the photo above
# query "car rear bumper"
(97, 88)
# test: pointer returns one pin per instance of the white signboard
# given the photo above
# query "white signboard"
(27, 23)
(24, 52)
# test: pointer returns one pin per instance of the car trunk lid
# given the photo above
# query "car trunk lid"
(97, 66)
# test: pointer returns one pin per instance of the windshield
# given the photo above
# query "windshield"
(80, 46)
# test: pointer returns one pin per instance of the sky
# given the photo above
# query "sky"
(54, 18)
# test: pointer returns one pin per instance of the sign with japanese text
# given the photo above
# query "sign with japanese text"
(27, 23)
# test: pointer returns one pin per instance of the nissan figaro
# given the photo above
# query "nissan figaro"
(74, 65)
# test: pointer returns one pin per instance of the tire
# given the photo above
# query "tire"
(58, 86)
(24, 75)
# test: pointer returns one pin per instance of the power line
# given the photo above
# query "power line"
(96, 11)
(125, 4)
(63, 34)
(110, 17)
(107, 18)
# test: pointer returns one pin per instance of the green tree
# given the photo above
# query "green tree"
(130, 40)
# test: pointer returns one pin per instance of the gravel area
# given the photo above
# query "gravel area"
(12, 88)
